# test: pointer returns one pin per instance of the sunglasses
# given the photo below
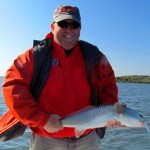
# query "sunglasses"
(72, 25)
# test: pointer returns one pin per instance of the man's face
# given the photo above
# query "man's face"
(66, 37)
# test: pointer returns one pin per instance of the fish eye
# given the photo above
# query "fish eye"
(141, 115)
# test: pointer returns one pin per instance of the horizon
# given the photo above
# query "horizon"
(120, 29)
(115, 76)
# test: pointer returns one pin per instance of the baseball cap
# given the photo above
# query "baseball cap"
(67, 12)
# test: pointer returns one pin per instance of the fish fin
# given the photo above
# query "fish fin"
(124, 105)
(78, 132)
(118, 108)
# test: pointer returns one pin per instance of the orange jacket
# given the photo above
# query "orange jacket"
(66, 90)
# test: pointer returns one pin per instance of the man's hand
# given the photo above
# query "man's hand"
(119, 110)
(53, 124)
(114, 123)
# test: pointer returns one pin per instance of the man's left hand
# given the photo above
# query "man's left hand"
(114, 123)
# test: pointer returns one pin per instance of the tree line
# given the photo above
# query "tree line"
(131, 79)
(134, 79)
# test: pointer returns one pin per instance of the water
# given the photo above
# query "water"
(136, 96)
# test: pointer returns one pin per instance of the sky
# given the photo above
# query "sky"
(119, 28)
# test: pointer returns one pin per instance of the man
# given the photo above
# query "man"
(66, 91)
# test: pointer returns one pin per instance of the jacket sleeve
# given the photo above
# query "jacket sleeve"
(17, 95)
(105, 82)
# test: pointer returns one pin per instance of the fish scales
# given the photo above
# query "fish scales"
(89, 117)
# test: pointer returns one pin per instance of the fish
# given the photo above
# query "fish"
(99, 116)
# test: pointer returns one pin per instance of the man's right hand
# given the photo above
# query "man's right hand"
(53, 124)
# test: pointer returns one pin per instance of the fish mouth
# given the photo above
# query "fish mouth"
(144, 124)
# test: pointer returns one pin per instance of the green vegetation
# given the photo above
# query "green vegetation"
(131, 79)
(134, 79)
